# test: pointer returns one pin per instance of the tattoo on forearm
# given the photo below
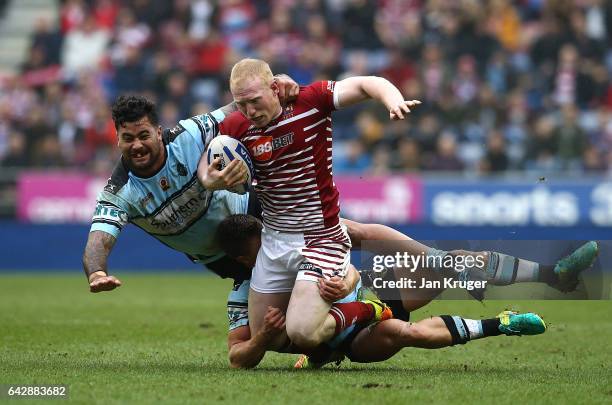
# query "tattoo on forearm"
(99, 246)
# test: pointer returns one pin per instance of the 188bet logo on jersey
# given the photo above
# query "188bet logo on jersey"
(262, 148)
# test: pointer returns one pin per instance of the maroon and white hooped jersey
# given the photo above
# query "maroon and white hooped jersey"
(292, 158)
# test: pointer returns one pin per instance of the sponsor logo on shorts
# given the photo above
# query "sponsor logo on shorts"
(310, 269)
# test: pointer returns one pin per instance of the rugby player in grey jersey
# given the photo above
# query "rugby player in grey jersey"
(240, 236)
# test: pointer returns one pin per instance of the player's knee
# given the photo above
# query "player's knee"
(303, 339)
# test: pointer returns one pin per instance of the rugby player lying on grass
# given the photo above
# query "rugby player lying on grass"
(240, 237)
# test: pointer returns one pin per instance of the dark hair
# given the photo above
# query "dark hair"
(234, 232)
(133, 108)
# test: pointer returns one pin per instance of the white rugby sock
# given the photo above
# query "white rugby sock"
(503, 269)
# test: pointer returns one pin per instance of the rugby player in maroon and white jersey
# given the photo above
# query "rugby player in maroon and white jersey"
(303, 239)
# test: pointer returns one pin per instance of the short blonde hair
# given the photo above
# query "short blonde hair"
(248, 69)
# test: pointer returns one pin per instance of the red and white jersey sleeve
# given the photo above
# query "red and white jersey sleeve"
(293, 161)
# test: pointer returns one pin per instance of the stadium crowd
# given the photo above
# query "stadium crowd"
(506, 85)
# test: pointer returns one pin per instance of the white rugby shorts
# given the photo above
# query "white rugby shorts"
(286, 257)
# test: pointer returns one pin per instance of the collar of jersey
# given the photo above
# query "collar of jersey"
(129, 170)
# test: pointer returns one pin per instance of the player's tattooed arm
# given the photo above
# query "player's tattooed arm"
(95, 258)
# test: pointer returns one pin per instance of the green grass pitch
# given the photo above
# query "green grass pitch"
(161, 338)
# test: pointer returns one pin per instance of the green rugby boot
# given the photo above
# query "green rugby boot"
(568, 268)
(382, 312)
(513, 323)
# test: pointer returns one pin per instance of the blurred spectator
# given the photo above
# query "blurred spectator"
(178, 92)
(151, 12)
(358, 30)
(496, 159)
(36, 128)
(48, 153)
(381, 161)
(35, 60)
(427, 133)
(101, 133)
(129, 76)
(571, 84)
(542, 147)
(545, 49)
(465, 84)
(408, 156)
(71, 137)
(505, 23)
(210, 55)
(353, 159)
(72, 14)
(435, 73)
(571, 140)
(589, 48)
(399, 71)
(16, 154)
(105, 13)
(169, 115)
(158, 72)
(48, 40)
(235, 19)
(592, 160)
(370, 129)
(84, 47)
(445, 158)
(129, 35)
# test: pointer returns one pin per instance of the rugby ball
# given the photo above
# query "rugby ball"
(228, 149)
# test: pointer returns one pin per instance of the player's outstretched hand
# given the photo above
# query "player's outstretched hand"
(274, 322)
(400, 110)
(233, 174)
(333, 289)
(288, 89)
(103, 282)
